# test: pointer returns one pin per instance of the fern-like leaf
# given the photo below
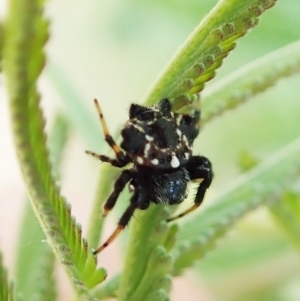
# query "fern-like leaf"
(109, 288)
(256, 187)
(204, 51)
(147, 259)
(26, 33)
(35, 260)
(250, 80)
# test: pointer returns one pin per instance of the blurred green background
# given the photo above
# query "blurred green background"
(113, 51)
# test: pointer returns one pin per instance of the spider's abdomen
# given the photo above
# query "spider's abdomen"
(169, 187)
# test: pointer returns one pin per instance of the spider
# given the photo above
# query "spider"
(159, 144)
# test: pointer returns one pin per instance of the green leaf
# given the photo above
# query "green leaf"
(96, 221)
(57, 141)
(147, 261)
(203, 52)
(26, 34)
(6, 288)
(250, 80)
(109, 288)
(35, 260)
(286, 211)
(159, 277)
(259, 186)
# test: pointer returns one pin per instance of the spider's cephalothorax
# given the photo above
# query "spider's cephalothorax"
(158, 138)
(159, 144)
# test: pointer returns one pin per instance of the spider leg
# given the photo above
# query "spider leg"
(137, 201)
(119, 185)
(199, 168)
(113, 162)
(108, 138)
(123, 222)
(121, 159)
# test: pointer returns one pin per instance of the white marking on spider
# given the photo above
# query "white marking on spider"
(174, 162)
(154, 162)
(139, 128)
(149, 138)
(187, 155)
(178, 131)
(146, 150)
(140, 160)
(178, 120)
(131, 188)
(185, 140)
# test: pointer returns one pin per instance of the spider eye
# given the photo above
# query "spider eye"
(162, 161)
(169, 158)
(141, 113)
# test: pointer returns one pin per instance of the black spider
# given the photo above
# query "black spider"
(159, 144)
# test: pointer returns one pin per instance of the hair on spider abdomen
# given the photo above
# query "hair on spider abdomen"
(159, 143)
